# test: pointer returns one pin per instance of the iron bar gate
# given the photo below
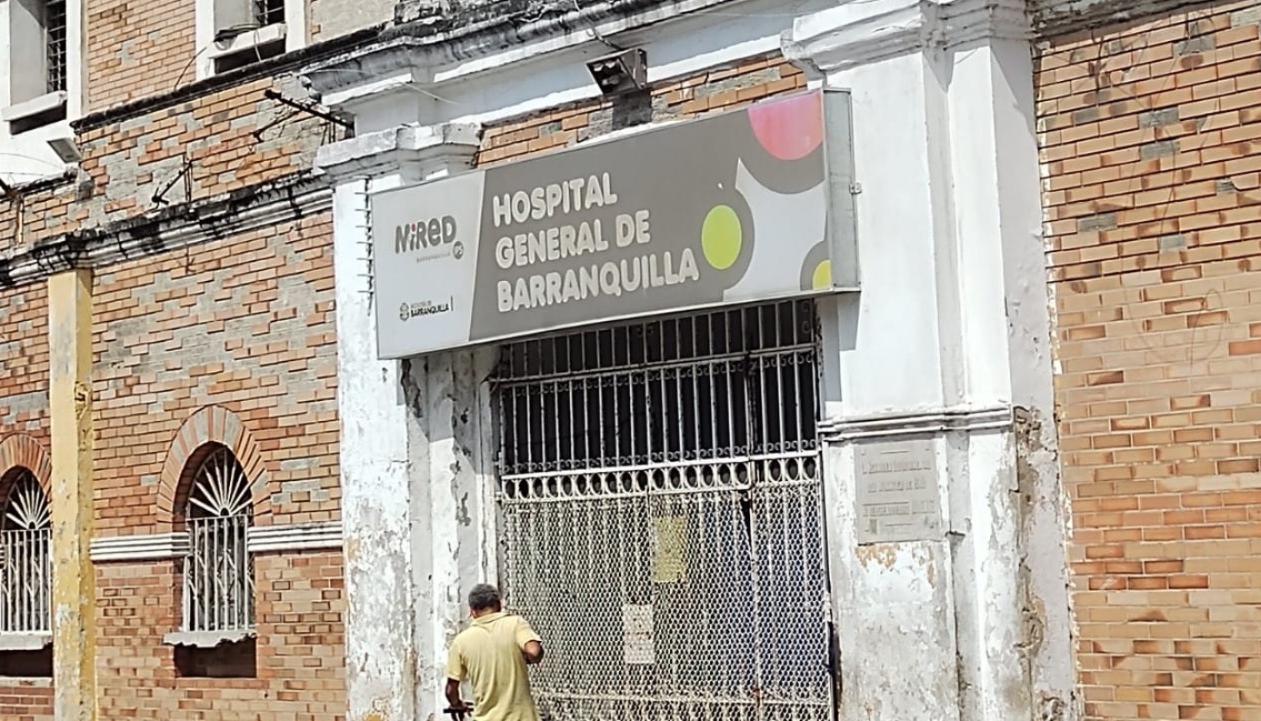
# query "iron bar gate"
(661, 516)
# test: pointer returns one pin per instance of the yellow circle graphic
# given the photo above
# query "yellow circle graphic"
(721, 237)
(822, 278)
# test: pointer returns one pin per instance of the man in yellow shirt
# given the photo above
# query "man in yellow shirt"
(492, 654)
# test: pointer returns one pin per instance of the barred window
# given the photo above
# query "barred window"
(219, 575)
(269, 12)
(25, 558)
(55, 44)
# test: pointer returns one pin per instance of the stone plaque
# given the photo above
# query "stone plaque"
(638, 648)
(898, 498)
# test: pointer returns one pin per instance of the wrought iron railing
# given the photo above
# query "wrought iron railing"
(219, 575)
(25, 580)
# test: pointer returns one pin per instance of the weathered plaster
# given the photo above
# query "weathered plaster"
(330, 18)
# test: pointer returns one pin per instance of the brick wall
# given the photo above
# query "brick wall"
(24, 409)
(1151, 143)
(200, 147)
(26, 700)
(137, 49)
(244, 323)
(717, 90)
(300, 645)
(24, 362)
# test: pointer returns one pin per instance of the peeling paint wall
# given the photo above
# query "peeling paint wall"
(375, 467)
(330, 18)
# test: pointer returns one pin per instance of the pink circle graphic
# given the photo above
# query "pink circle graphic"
(789, 129)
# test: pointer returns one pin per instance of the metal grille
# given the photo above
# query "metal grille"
(661, 515)
(55, 43)
(25, 559)
(219, 577)
(269, 12)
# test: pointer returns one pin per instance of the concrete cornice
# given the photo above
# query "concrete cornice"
(184, 225)
(413, 51)
(856, 34)
(917, 423)
(406, 149)
(1056, 17)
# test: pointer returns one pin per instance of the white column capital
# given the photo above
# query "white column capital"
(415, 152)
(855, 34)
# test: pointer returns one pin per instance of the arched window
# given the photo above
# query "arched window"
(219, 577)
(25, 558)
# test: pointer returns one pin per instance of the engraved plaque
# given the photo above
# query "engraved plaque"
(898, 498)
(638, 648)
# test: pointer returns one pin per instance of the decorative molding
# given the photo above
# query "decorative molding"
(262, 539)
(154, 547)
(940, 421)
(211, 424)
(856, 34)
(19, 450)
(306, 537)
(486, 46)
(408, 149)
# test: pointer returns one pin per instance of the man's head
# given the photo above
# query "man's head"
(484, 599)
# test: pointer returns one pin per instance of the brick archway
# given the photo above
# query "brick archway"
(211, 425)
(19, 450)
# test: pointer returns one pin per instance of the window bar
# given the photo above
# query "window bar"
(713, 401)
(779, 382)
(729, 371)
(630, 402)
(678, 388)
(761, 382)
(55, 44)
(269, 12)
(599, 399)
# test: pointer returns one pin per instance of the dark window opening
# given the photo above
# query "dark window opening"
(269, 12)
(27, 664)
(256, 54)
(227, 660)
(38, 120)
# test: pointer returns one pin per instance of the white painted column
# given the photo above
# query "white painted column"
(452, 496)
(944, 355)
(386, 438)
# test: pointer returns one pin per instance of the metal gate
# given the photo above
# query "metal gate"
(661, 516)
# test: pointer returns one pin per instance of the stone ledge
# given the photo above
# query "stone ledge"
(35, 106)
(306, 537)
(207, 639)
(154, 547)
(31, 641)
(916, 423)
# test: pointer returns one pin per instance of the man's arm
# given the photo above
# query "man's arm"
(453, 695)
(455, 672)
(529, 642)
(533, 652)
